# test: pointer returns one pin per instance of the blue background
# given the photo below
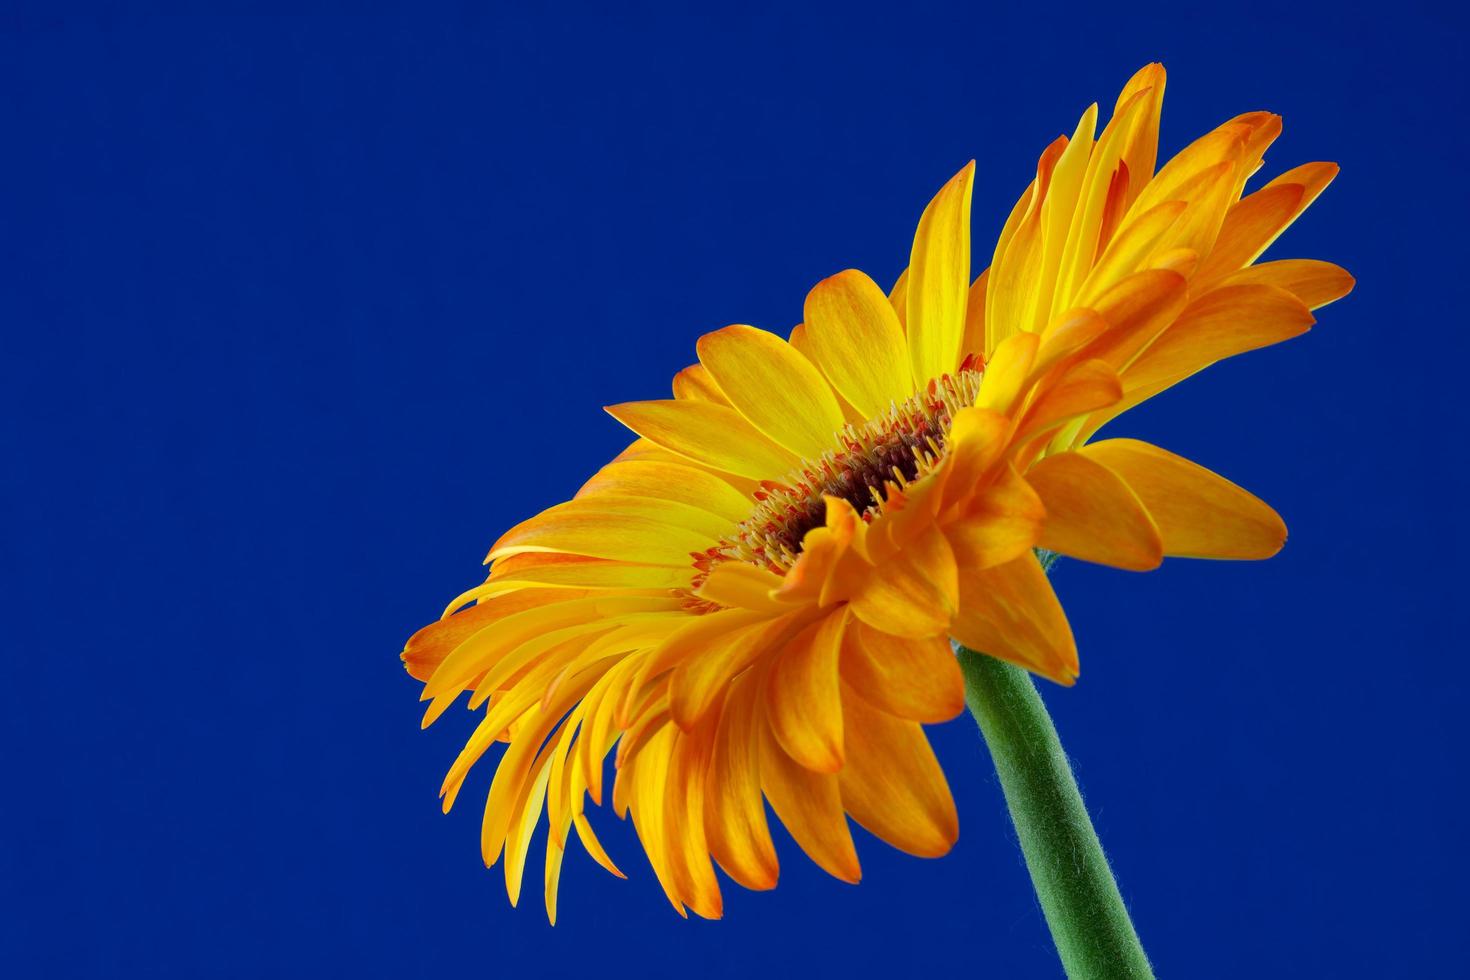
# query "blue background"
(300, 311)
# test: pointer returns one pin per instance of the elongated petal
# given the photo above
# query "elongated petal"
(915, 679)
(696, 683)
(1010, 611)
(1314, 283)
(1228, 321)
(803, 700)
(735, 816)
(809, 803)
(669, 481)
(939, 279)
(1200, 514)
(777, 389)
(1092, 514)
(711, 434)
(616, 528)
(892, 784)
(858, 342)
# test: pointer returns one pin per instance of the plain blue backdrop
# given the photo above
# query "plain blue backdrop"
(301, 310)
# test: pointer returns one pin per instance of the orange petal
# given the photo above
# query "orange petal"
(1002, 522)
(915, 679)
(1200, 514)
(696, 683)
(810, 805)
(1220, 324)
(803, 701)
(939, 279)
(913, 593)
(1011, 612)
(858, 343)
(427, 648)
(1093, 515)
(1314, 283)
(734, 815)
(711, 434)
(893, 785)
(773, 386)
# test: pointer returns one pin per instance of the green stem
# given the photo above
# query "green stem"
(1078, 895)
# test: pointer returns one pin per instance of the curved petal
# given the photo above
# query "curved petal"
(1227, 321)
(892, 784)
(1092, 514)
(858, 343)
(810, 805)
(939, 279)
(913, 593)
(711, 434)
(669, 481)
(915, 679)
(1011, 612)
(803, 699)
(1200, 514)
(735, 816)
(1314, 283)
(774, 386)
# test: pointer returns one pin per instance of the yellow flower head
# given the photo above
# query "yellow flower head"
(754, 601)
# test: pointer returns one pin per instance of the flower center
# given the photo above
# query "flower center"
(870, 460)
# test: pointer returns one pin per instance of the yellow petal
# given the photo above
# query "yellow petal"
(735, 816)
(714, 435)
(777, 389)
(580, 572)
(803, 700)
(810, 805)
(915, 679)
(939, 279)
(633, 529)
(1093, 515)
(736, 584)
(858, 343)
(1222, 323)
(694, 383)
(1260, 218)
(892, 784)
(1011, 612)
(1200, 514)
(1314, 283)
(1006, 372)
(974, 339)
(669, 481)
(1141, 152)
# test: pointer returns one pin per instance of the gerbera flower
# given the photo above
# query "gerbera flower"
(754, 602)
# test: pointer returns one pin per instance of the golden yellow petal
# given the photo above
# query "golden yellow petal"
(1092, 514)
(774, 387)
(1200, 514)
(710, 434)
(939, 279)
(858, 343)
(892, 784)
(803, 700)
(915, 679)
